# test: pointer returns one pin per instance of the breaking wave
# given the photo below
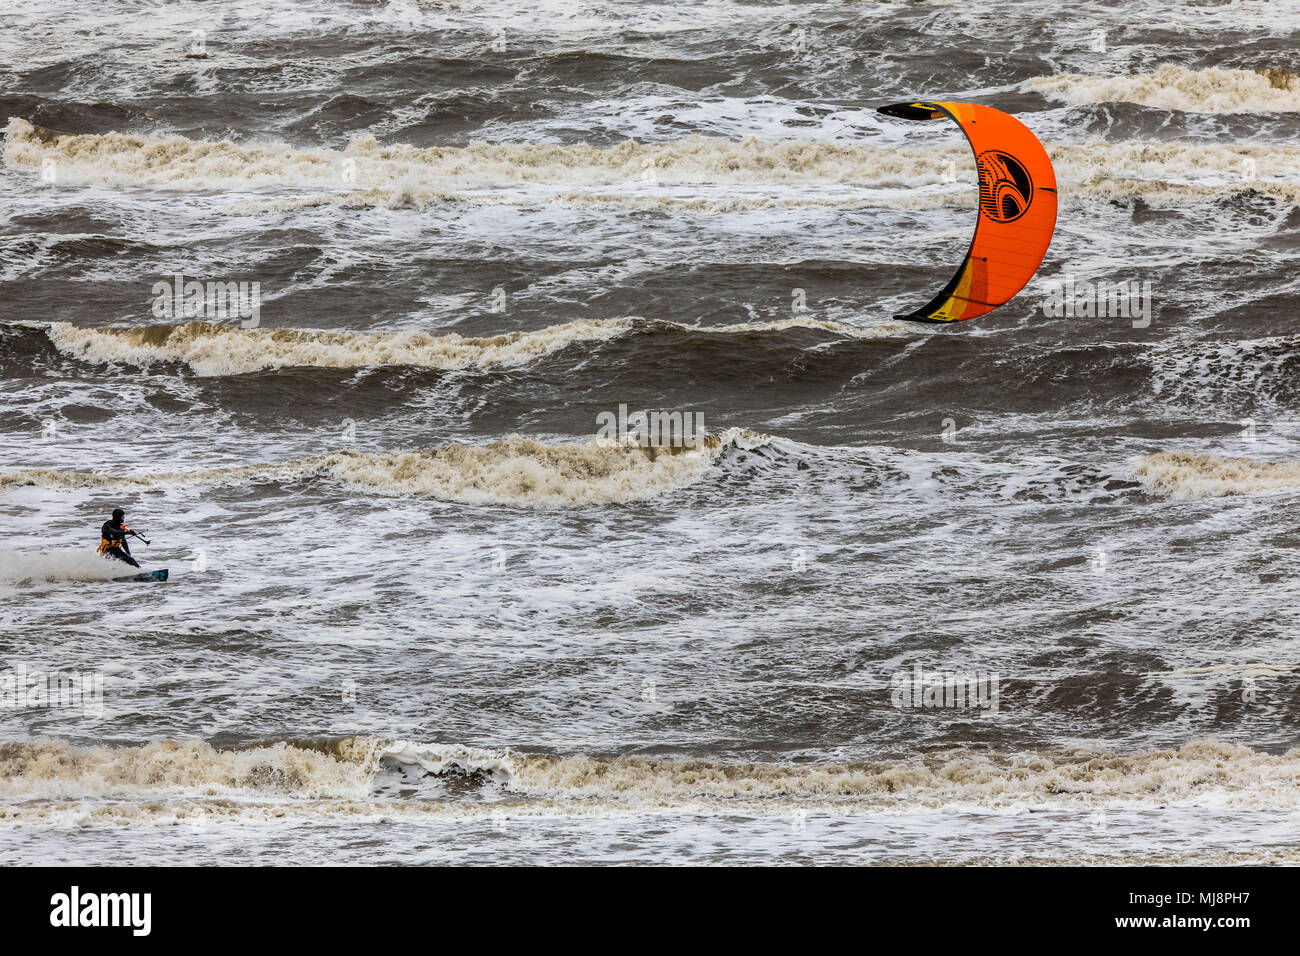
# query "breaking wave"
(346, 771)
(214, 349)
(1175, 87)
(409, 176)
(1185, 475)
(1223, 772)
(341, 768)
(180, 162)
(516, 471)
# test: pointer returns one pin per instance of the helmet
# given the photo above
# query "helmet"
(118, 514)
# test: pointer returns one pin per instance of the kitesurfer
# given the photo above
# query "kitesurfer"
(112, 539)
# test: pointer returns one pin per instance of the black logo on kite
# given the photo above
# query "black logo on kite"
(1006, 189)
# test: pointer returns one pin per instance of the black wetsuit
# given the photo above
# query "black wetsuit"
(113, 544)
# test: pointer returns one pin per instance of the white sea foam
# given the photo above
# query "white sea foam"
(515, 471)
(1200, 773)
(1186, 475)
(47, 769)
(212, 349)
(338, 778)
(397, 175)
(1176, 87)
(66, 565)
(1219, 373)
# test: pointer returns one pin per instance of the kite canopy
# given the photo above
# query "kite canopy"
(1017, 210)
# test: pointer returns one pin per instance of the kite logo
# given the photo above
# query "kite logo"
(1006, 189)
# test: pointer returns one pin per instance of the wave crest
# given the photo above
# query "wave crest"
(1175, 87)
(341, 768)
(1185, 475)
(1201, 773)
(395, 176)
(1232, 774)
(212, 349)
(515, 471)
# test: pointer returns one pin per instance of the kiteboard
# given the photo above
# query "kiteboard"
(160, 575)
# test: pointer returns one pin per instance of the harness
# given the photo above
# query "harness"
(106, 544)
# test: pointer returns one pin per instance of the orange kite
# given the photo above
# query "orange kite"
(1017, 210)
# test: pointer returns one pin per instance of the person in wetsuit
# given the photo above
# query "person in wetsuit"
(112, 539)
